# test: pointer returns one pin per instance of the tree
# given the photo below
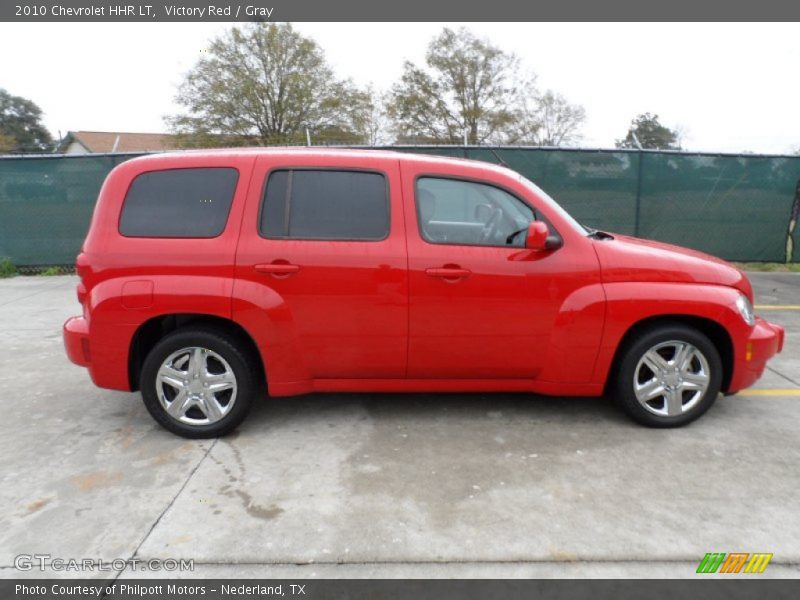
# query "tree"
(21, 128)
(550, 121)
(7, 143)
(468, 85)
(471, 88)
(651, 134)
(264, 83)
(375, 125)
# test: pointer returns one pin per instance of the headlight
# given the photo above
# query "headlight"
(746, 310)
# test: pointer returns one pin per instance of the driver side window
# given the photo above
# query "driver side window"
(452, 211)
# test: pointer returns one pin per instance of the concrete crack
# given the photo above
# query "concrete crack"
(779, 374)
(166, 509)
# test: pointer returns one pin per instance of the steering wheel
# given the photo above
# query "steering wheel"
(490, 228)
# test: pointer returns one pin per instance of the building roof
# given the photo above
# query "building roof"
(120, 141)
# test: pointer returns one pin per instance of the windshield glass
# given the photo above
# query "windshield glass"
(554, 205)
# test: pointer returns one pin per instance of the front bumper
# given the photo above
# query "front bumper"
(764, 342)
(76, 341)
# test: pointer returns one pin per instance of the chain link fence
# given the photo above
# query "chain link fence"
(738, 207)
(46, 203)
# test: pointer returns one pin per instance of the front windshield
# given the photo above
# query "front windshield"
(554, 205)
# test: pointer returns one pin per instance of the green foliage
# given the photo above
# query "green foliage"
(770, 267)
(50, 271)
(469, 87)
(21, 129)
(263, 84)
(7, 268)
(651, 134)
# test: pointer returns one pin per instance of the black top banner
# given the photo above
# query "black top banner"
(407, 10)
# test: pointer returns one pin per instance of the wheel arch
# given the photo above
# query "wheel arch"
(151, 331)
(713, 330)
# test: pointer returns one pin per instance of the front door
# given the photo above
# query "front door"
(481, 306)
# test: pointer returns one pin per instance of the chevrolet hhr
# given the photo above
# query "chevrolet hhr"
(209, 279)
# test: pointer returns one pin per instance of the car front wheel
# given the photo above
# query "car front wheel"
(668, 376)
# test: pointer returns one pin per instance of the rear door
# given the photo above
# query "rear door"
(328, 238)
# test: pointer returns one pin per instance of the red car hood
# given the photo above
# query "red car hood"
(632, 259)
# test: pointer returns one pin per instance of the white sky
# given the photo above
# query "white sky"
(728, 87)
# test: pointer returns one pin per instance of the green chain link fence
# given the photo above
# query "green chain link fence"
(46, 203)
(738, 207)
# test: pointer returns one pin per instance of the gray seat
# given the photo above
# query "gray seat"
(426, 209)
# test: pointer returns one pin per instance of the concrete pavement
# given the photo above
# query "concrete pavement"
(418, 485)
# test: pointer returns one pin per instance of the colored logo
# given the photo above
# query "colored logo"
(734, 562)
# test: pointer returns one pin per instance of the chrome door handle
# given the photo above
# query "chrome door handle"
(277, 268)
(448, 272)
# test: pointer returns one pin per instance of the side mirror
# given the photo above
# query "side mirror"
(539, 238)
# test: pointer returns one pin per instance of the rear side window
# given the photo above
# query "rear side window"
(179, 203)
(325, 205)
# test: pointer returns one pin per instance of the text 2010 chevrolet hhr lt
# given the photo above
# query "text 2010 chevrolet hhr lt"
(208, 277)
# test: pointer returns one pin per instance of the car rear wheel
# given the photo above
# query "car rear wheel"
(668, 376)
(199, 383)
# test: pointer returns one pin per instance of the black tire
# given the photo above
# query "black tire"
(248, 382)
(622, 385)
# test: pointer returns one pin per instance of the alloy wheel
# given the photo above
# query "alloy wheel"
(196, 386)
(671, 378)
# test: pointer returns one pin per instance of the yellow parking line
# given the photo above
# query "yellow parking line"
(777, 307)
(770, 392)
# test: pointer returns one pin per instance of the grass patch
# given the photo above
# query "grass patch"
(7, 268)
(770, 267)
(45, 270)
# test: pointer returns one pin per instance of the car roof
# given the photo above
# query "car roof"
(311, 152)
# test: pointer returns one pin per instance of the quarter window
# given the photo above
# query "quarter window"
(325, 205)
(451, 211)
(179, 203)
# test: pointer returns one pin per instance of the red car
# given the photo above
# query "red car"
(209, 278)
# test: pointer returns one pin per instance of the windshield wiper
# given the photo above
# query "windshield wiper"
(596, 234)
